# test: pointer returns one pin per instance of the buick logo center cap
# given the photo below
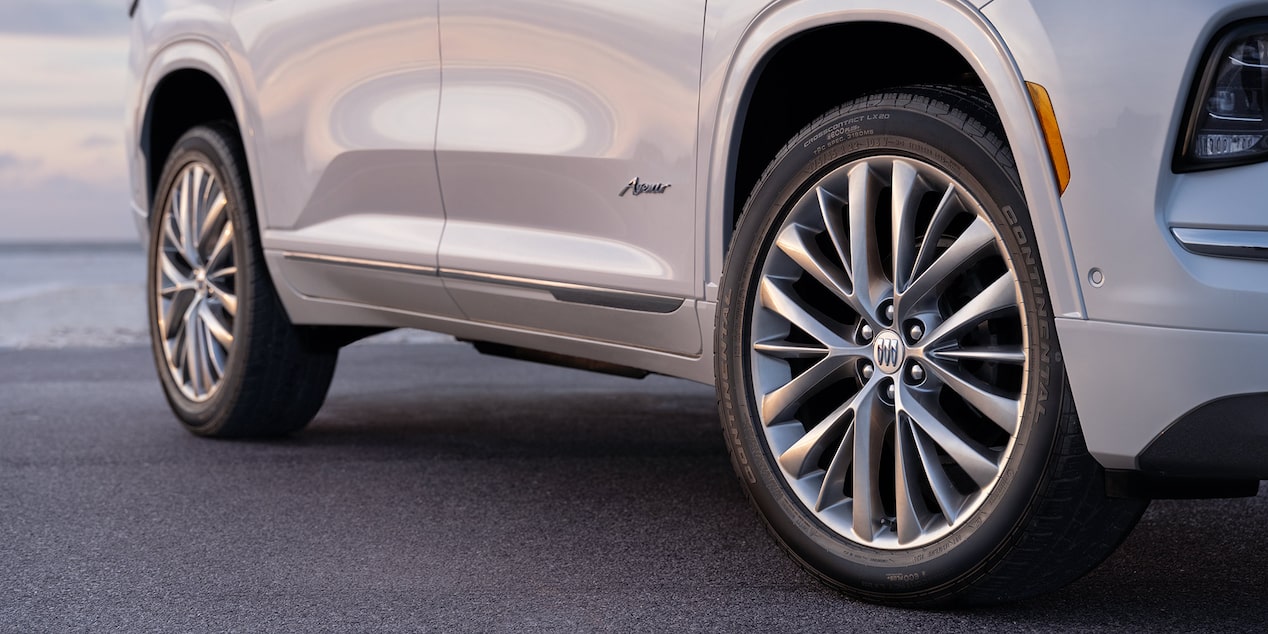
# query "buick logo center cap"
(888, 352)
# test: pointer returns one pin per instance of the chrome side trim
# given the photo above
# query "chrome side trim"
(1227, 243)
(576, 293)
(377, 265)
(562, 291)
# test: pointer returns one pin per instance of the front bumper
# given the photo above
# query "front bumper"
(1170, 401)
(1174, 347)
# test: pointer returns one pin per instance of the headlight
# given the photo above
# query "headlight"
(1226, 116)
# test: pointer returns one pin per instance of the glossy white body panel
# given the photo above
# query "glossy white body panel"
(1168, 330)
(550, 109)
(1120, 130)
(346, 98)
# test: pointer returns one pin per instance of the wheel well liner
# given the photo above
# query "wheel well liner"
(840, 62)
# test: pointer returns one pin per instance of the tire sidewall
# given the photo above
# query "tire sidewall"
(861, 130)
(213, 148)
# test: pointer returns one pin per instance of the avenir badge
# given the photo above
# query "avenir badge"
(639, 188)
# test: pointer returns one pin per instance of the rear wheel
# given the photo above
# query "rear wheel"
(230, 362)
(890, 378)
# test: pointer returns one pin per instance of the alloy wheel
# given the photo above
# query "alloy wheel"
(196, 294)
(888, 352)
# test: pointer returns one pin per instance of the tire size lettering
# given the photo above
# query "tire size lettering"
(846, 130)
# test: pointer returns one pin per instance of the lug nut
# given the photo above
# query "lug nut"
(866, 332)
(889, 392)
(917, 373)
(917, 331)
(867, 371)
(889, 313)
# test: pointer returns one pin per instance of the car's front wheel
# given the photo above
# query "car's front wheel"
(230, 361)
(890, 378)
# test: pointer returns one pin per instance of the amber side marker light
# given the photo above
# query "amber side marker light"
(1051, 134)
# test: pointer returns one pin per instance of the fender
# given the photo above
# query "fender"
(201, 53)
(734, 56)
(190, 53)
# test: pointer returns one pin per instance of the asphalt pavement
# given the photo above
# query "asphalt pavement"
(440, 490)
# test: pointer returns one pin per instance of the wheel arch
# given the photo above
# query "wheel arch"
(189, 83)
(746, 80)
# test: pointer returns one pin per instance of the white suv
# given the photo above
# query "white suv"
(904, 239)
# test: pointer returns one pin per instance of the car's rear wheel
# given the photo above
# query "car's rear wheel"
(889, 371)
(230, 362)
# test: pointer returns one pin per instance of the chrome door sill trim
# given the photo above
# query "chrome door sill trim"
(378, 265)
(576, 293)
(562, 291)
(1227, 243)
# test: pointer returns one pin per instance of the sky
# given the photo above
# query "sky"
(63, 169)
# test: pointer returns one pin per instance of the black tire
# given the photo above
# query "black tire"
(272, 378)
(1044, 520)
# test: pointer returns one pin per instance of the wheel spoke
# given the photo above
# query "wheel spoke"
(867, 274)
(215, 364)
(193, 357)
(802, 458)
(832, 210)
(948, 498)
(222, 274)
(784, 350)
(967, 249)
(832, 489)
(175, 315)
(907, 189)
(173, 232)
(178, 350)
(869, 438)
(998, 298)
(213, 224)
(221, 332)
(189, 211)
(975, 459)
(179, 281)
(948, 207)
(222, 249)
(798, 242)
(779, 404)
(775, 296)
(909, 505)
(1000, 409)
(227, 299)
(1012, 355)
(204, 357)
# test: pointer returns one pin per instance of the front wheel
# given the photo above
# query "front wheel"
(890, 378)
(230, 361)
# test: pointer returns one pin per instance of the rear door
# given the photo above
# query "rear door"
(566, 148)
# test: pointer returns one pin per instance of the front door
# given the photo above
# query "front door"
(566, 148)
